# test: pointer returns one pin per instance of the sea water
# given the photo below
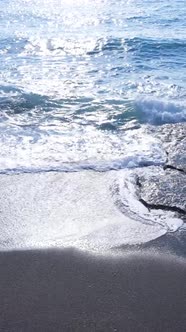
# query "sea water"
(81, 80)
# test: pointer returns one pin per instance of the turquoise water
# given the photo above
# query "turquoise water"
(80, 81)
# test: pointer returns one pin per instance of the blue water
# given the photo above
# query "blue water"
(81, 80)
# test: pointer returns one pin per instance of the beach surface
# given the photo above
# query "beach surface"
(67, 290)
(71, 260)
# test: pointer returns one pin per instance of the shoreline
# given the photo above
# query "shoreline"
(142, 289)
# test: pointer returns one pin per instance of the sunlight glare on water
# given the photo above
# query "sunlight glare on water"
(80, 67)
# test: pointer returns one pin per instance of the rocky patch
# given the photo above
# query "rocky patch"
(166, 189)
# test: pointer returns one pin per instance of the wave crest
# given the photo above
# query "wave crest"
(91, 46)
(159, 112)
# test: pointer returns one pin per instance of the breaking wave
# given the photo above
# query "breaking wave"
(159, 112)
(137, 46)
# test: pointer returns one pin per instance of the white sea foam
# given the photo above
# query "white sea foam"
(160, 111)
(70, 210)
(58, 46)
(125, 193)
(153, 87)
(83, 148)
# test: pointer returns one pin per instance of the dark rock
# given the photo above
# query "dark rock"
(173, 138)
(165, 190)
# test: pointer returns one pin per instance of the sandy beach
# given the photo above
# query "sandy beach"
(47, 287)
(65, 290)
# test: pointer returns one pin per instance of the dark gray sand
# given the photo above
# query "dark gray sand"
(70, 291)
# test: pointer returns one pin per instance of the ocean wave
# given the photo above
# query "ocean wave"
(58, 46)
(159, 112)
(20, 107)
(91, 46)
(152, 44)
(18, 101)
(141, 46)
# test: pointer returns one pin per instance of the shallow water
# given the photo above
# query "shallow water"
(74, 74)
(83, 84)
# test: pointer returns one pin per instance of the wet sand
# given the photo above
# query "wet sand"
(65, 290)
(142, 289)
